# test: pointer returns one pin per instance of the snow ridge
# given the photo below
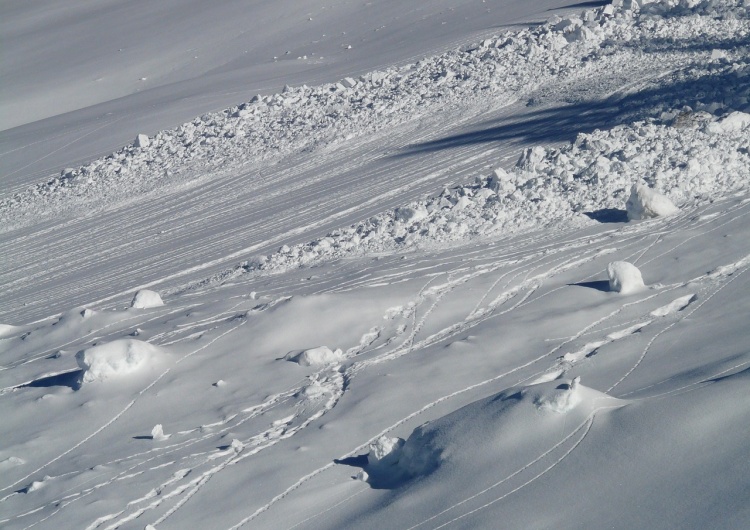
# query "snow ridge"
(576, 184)
(306, 118)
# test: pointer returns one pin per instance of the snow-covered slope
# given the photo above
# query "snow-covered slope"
(82, 79)
(501, 286)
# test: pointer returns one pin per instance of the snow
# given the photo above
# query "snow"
(145, 299)
(404, 283)
(624, 277)
(116, 359)
(315, 356)
(644, 203)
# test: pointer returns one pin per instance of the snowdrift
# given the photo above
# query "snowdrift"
(511, 426)
(117, 359)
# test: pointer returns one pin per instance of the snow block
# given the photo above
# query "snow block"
(319, 356)
(384, 451)
(142, 140)
(115, 359)
(145, 299)
(645, 203)
(624, 277)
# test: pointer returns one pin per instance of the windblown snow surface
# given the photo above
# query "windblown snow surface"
(500, 283)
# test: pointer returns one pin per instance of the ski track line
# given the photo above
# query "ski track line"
(727, 212)
(539, 475)
(330, 404)
(670, 326)
(426, 407)
(64, 146)
(688, 387)
(166, 451)
(585, 423)
(330, 508)
(52, 350)
(123, 411)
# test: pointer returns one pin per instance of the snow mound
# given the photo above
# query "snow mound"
(115, 359)
(157, 433)
(736, 121)
(645, 203)
(562, 400)
(624, 277)
(7, 329)
(319, 356)
(498, 428)
(145, 299)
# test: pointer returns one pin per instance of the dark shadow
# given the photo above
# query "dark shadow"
(608, 215)
(70, 379)
(742, 373)
(601, 285)
(562, 123)
(534, 24)
(594, 3)
(353, 461)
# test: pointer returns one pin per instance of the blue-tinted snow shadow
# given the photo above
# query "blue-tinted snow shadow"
(608, 215)
(600, 285)
(562, 122)
(70, 379)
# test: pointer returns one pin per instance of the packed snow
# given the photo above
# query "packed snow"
(495, 276)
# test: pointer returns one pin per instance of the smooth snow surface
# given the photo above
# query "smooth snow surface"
(444, 221)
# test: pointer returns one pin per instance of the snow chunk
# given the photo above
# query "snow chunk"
(145, 299)
(157, 433)
(736, 121)
(409, 214)
(319, 356)
(115, 359)
(645, 203)
(142, 140)
(385, 451)
(562, 400)
(624, 277)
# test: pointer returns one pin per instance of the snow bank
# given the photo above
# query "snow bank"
(645, 203)
(116, 359)
(319, 356)
(502, 68)
(500, 428)
(7, 329)
(624, 277)
(548, 187)
(145, 299)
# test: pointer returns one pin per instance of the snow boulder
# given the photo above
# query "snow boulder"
(734, 122)
(385, 451)
(145, 299)
(142, 140)
(645, 203)
(319, 356)
(624, 277)
(116, 359)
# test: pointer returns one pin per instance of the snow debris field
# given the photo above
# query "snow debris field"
(475, 265)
